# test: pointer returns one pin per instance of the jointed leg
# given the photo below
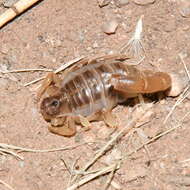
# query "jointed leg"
(51, 78)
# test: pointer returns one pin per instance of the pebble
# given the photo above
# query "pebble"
(9, 3)
(114, 156)
(103, 3)
(144, 2)
(110, 27)
(178, 84)
(121, 3)
(95, 45)
(184, 8)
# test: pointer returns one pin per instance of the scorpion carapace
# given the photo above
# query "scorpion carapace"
(91, 88)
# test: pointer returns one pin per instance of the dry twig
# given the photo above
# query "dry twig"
(110, 178)
(61, 68)
(6, 185)
(11, 153)
(5, 148)
(158, 136)
(182, 97)
(16, 9)
(185, 66)
(103, 171)
(109, 144)
(25, 70)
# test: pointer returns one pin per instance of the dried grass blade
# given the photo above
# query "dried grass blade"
(12, 153)
(93, 176)
(6, 185)
(22, 149)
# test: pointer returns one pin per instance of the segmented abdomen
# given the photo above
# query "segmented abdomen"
(88, 89)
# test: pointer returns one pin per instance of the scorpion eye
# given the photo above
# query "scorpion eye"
(51, 106)
(55, 103)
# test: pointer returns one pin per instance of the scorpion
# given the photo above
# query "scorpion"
(91, 88)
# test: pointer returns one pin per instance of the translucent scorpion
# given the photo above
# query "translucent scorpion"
(90, 89)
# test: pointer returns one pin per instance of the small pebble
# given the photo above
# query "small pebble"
(95, 44)
(115, 155)
(103, 3)
(103, 132)
(9, 3)
(177, 87)
(143, 2)
(121, 3)
(184, 8)
(110, 27)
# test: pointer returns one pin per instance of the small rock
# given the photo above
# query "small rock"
(9, 3)
(115, 155)
(121, 3)
(110, 27)
(177, 87)
(95, 45)
(103, 132)
(169, 26)
(144, 2)
(103, 3)
(3, 83)
(184, 8)
(4, 49)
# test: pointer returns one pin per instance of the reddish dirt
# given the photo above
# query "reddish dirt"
(54, 32)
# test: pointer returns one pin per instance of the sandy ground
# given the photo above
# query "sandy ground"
(54, 32)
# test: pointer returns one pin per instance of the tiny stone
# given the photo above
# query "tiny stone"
(4, 49)
(177, 87)
(95, 45)
(121, 3)
(184, 8)
(110, 27)
(9, 3)
(144, 2)
(114, 156)
(103, 3)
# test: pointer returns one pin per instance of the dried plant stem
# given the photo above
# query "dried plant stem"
(185, 66)
(12, 153)
(122, 132)
(110, 143)
(22, 149)
(15, 10)
(6, 185)
(158, 136)
(25, 70)
(184, 94)
(34, 81)
(68, 64)
(135, 43)
(110, 178)
(61, 68)
(93, 176)
(4, 148)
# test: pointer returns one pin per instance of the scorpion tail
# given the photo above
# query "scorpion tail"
(148, 82)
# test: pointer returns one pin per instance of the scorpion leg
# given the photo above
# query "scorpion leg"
(84, 122)
(109, 118)
(51, 78)
(131, 86)
(68, 129)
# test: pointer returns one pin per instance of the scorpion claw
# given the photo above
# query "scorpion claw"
(67, 130)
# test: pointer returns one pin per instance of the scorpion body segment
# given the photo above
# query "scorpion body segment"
(91, 88)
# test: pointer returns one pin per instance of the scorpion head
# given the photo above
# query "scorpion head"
(53, 109)
(50, 107)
